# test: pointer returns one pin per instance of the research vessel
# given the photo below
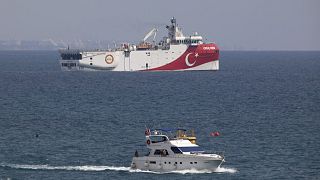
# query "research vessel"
(175, 52)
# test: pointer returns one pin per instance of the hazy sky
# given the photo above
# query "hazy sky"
(241, 24)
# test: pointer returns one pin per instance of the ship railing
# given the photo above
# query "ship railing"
(69, 51)
(85, 54)
(142, 154)
(188, 155)
(66, 50)
(221, 153)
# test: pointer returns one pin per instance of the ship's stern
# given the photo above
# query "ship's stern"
(69, 59)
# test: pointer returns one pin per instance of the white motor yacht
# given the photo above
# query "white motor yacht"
(171, 150)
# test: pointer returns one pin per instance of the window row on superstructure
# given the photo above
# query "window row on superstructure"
(169, 162)
(187, 41)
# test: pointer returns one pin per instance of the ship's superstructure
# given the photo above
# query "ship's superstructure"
(175, 52)
(173, 149)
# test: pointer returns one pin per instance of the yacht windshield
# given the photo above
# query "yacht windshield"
(156, 139)
(176, 150)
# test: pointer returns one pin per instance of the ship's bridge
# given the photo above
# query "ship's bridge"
(194, 39)
(172, 134)
(176, 36)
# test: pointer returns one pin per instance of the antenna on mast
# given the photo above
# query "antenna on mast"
(173, 21)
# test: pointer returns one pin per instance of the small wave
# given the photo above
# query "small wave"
(193, 171)
(113, 168)
(225, 170)
(206, 171)
(68, 168)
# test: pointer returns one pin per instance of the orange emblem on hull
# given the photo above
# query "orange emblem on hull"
(109, 59)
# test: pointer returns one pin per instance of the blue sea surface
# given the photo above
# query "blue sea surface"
(87, 125)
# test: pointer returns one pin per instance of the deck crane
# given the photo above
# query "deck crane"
(152, 32)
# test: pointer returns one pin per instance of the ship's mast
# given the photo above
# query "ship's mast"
(172, 29)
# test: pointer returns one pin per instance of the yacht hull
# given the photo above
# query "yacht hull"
(176, 163)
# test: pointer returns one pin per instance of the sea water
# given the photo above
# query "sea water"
(87, 125)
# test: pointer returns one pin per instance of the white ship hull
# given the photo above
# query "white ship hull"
(181, 162)
(177, 58)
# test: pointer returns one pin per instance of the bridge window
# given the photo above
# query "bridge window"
(157, 139)
(157, 152)
(161, 152)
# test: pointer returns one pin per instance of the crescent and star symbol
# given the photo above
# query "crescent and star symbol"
(187, 59)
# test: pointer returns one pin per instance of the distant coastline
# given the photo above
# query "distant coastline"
(49, 44)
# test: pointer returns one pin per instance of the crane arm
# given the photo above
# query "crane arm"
(152, 32)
